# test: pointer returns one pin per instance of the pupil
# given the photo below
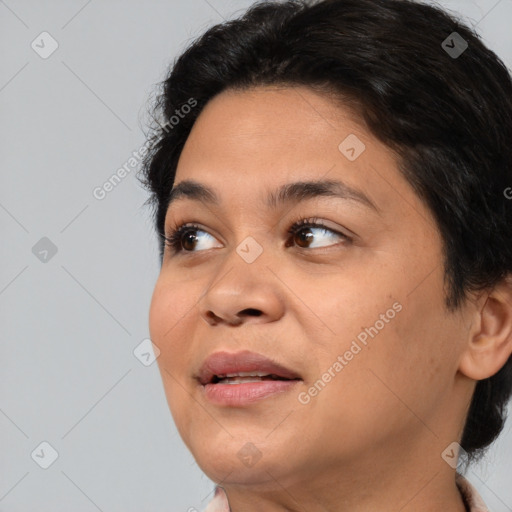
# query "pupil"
(188, 237)
(305, 236)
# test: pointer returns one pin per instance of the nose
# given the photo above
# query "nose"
(246, 293)
(236, 319)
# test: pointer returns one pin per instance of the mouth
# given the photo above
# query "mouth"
(242, 367)
(244, 378)
(238, 379)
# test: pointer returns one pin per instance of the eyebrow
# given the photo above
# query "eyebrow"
(290, 192)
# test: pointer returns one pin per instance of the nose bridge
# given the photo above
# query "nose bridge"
(250, 235)
(242, 286)
(244, 266)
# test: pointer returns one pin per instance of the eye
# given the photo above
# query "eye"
(302, 233)
(185, 238)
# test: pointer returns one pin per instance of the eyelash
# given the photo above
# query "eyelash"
(173, 240)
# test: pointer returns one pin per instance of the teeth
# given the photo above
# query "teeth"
(245, 380)
(244, 377)
(246, 374)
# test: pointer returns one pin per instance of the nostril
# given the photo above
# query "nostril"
(251, 311)
(212, 316)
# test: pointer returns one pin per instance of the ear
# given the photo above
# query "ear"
(489, 344)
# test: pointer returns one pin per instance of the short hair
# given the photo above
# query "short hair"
(447, 116)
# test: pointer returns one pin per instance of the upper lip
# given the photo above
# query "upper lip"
(222, 363)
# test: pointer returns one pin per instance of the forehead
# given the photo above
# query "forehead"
(247, 143)
(285, 123)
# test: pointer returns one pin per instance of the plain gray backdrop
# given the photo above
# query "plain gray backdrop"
(77, 272)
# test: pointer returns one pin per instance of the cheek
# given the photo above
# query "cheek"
(413, 359)
(171, 303)
(402, 343)
(170, 315)
(373, 396)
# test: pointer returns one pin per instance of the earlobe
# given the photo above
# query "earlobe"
(489, 345)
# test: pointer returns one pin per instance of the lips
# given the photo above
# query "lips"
(245, 366)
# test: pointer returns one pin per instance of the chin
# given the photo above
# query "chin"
(229, 470)
(242, 463)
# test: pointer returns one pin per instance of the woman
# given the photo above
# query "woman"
(334, 307)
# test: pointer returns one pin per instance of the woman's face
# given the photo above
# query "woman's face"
(355, 308)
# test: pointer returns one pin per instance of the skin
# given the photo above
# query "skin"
(372, 439)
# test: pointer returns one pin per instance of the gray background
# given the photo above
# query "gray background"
(70, 325)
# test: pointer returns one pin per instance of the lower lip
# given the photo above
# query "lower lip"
(236, 395)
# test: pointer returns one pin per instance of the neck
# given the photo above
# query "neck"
(428, 486)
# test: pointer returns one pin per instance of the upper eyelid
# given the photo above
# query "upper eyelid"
(316, 223)
(297, 225)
